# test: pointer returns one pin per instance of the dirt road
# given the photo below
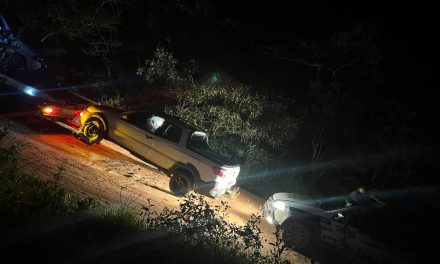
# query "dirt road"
(111, 174)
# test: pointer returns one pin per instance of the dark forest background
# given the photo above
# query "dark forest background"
(309, 97)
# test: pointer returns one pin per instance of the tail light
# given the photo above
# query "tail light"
(79, 114)
(215, 192)
(219, 171)
(47, 110)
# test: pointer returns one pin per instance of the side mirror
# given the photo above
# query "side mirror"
(339, 217)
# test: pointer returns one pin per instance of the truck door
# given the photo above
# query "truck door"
(165, 146)
(132, 132)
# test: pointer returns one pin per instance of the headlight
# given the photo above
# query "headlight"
(269, 219)
(280, 205)
(30, 90)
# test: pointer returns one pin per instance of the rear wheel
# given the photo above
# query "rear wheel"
(94, 130)
(181, 183)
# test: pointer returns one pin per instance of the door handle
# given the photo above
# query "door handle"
(148, 137)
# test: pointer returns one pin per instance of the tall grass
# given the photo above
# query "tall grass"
(24, 198)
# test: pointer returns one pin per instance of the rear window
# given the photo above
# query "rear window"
(198, 141)
(170, 132)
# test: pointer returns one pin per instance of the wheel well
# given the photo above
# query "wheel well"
(102, 119)
(183, 170)
(308, 222)
(195, 172)
(189, 169)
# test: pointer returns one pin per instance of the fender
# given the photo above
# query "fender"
(98, 116)
(189, 167)
(300, 215)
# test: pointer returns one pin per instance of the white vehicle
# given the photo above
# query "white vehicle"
(363, 234)
(178, 148)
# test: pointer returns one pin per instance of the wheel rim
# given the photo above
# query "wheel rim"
(296, 235)
(91, 130)
(181, 185)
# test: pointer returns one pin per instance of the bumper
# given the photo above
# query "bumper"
(220, 188)
(214, 189)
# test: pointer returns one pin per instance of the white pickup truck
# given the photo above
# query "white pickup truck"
(180, 149)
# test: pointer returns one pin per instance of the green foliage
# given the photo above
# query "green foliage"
(114, 100)
(8, 159)
(276, 253)
(123, 216)
(205, 227)
(162, 67)
(243, 124)
(24, 197)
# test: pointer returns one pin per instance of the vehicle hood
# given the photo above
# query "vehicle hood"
(296, 198)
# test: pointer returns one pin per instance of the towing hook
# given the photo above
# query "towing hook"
(83, 138)
(80, 135)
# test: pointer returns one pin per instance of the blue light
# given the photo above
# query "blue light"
(30, 91)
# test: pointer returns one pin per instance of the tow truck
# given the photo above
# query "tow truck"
(67, 115)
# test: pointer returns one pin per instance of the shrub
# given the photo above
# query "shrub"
(202, 226)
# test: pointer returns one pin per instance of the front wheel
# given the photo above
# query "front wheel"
(297, 235)
(94, 130)
(181, 183)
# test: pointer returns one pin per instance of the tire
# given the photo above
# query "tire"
(94, 130)
(181, 183)
(297, 236)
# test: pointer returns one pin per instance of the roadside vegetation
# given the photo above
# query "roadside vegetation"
(325, 144)
(51, 223)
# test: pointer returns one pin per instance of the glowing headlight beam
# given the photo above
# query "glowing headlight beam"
(30, 90)
(4, 79)
(21, 88)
